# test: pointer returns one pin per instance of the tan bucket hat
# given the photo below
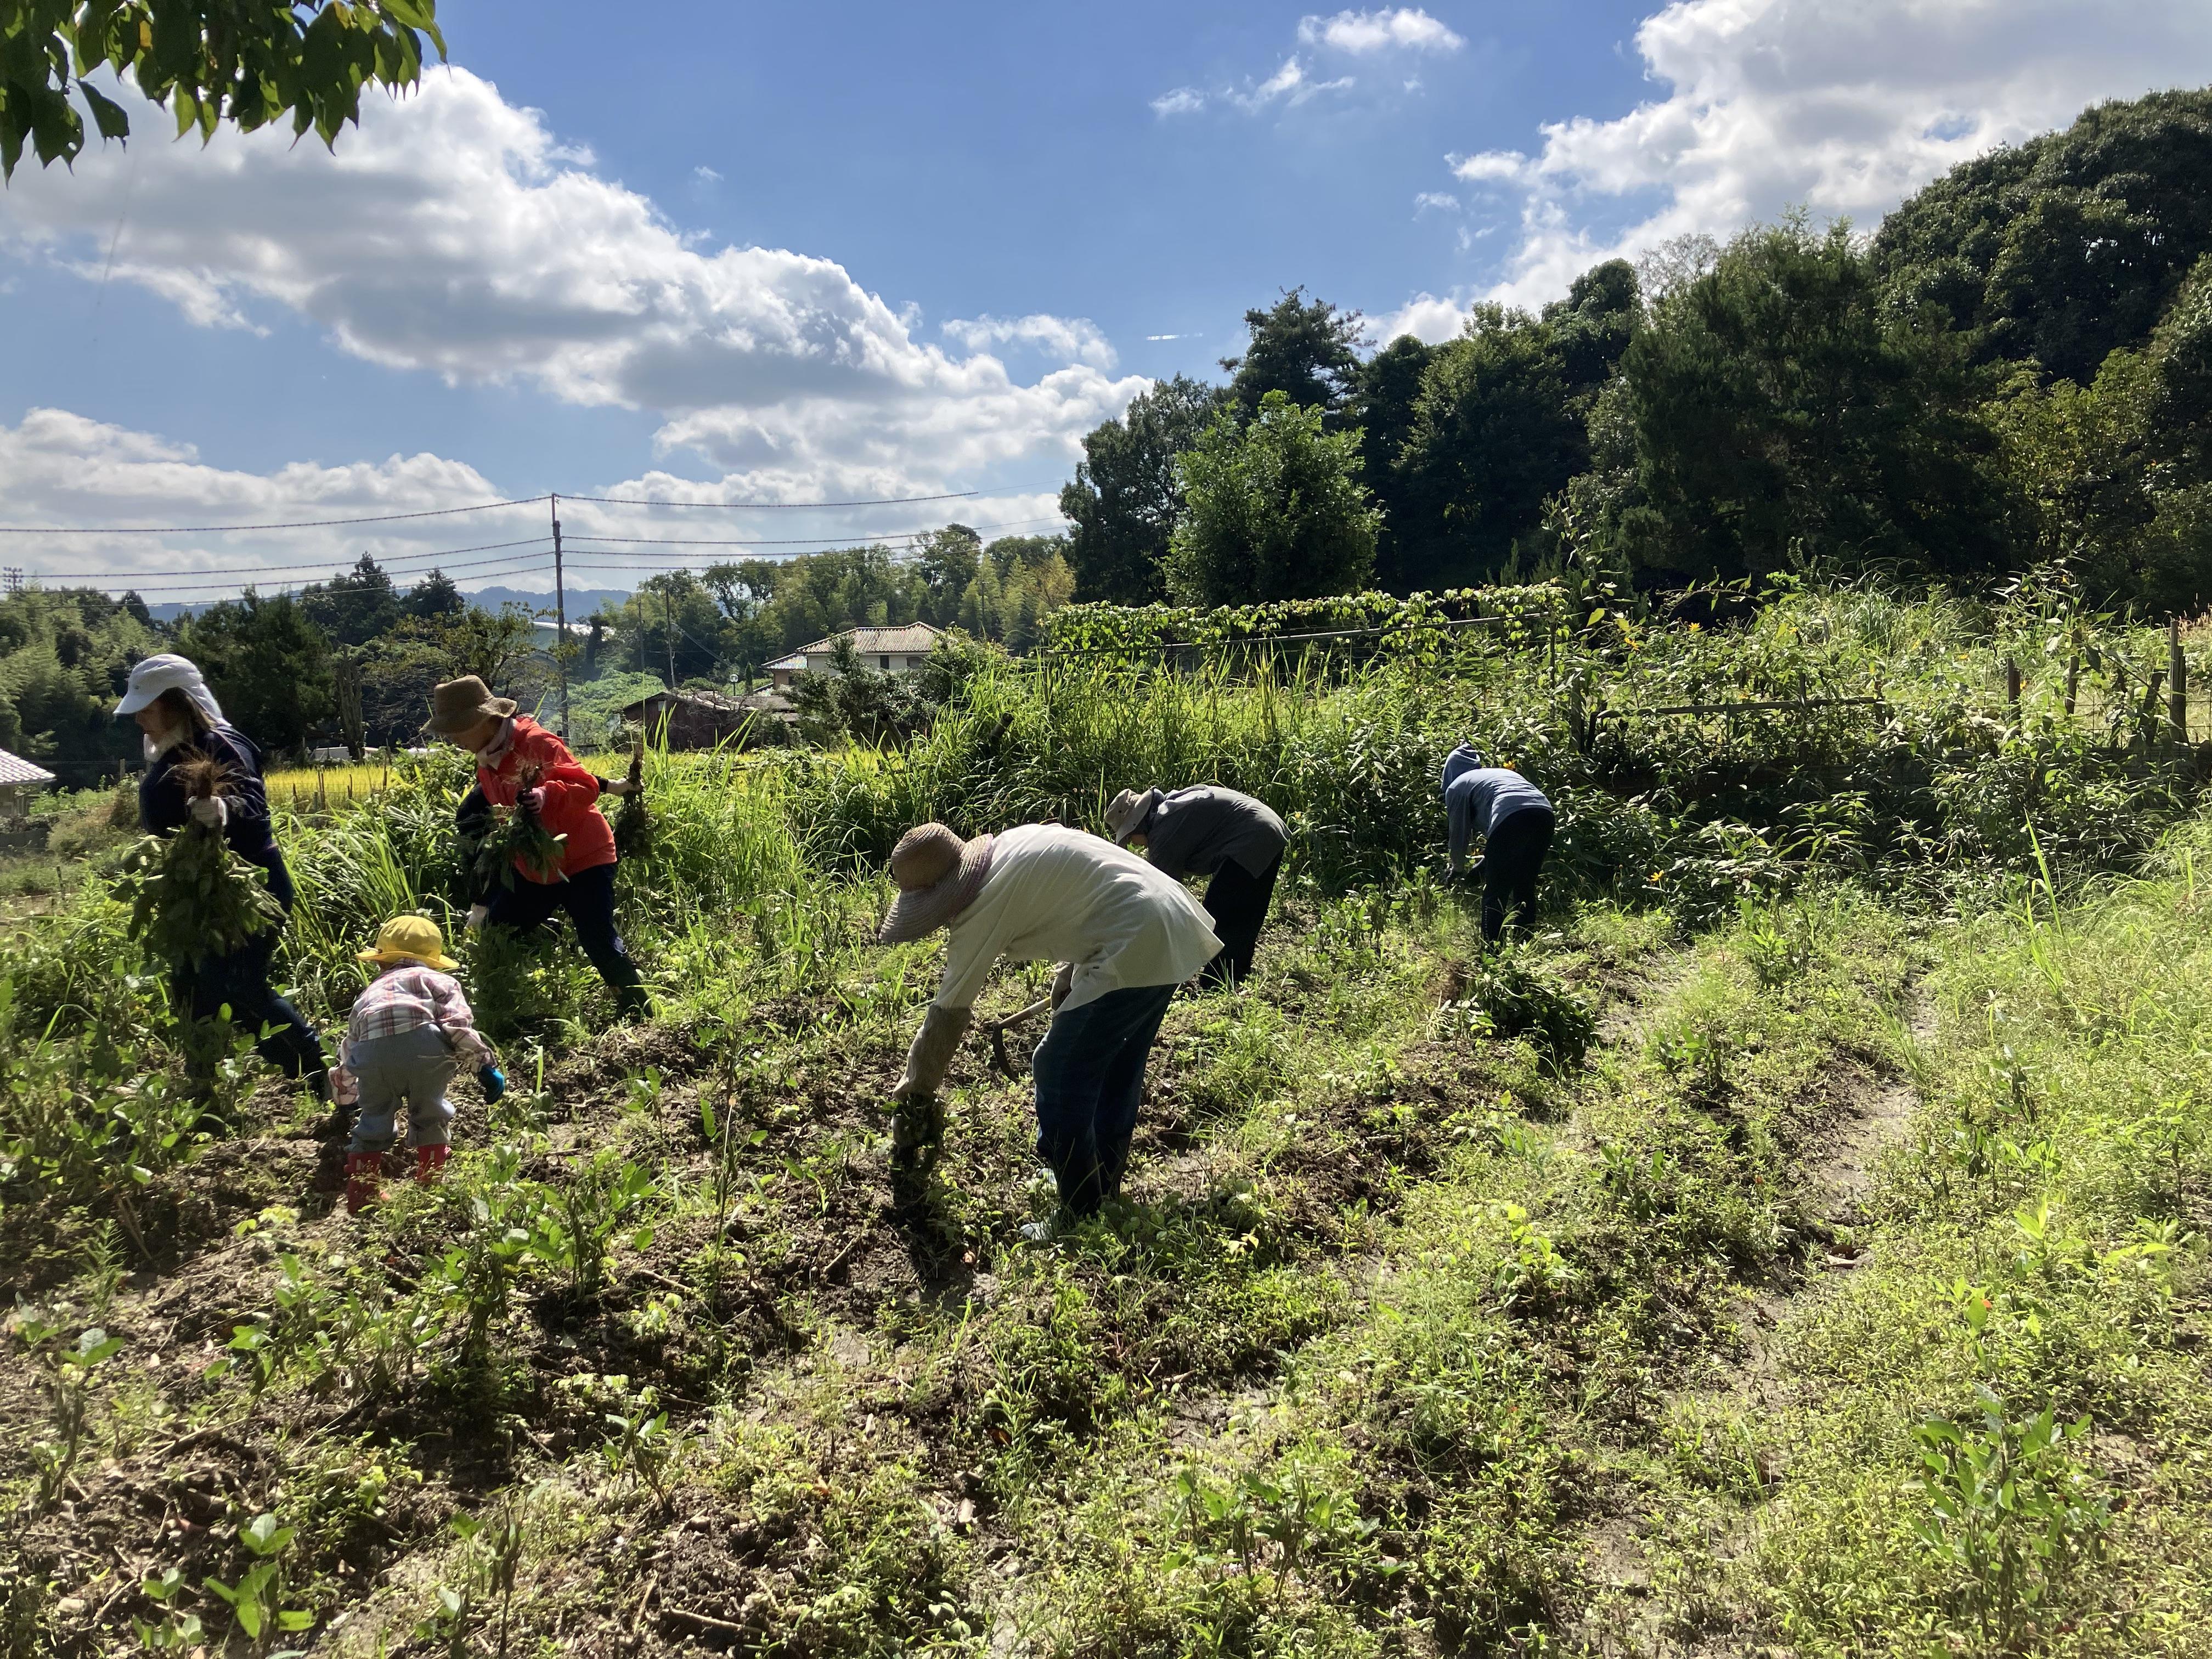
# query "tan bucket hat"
(457, 705)
(1129, 812)
(938, 876)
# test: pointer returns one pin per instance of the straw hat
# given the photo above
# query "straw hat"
(410, 938)
(1130, 811)
(938, 876)
(457, 706)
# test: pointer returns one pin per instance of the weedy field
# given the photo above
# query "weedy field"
(1794, 1248)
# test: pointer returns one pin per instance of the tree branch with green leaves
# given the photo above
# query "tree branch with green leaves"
(246, 62)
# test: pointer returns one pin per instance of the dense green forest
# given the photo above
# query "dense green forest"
(2012, 373)
(2014, 369)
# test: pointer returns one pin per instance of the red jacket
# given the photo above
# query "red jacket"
(572, 795)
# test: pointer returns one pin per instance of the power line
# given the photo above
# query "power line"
(225, 529)
(488, 506)
(794, 541)
(340, 565)
(767, 506)
(223, 589)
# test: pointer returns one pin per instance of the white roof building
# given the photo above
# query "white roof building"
(14, 771)
(889, 650)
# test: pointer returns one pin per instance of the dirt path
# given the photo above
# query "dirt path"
(1840, 1171)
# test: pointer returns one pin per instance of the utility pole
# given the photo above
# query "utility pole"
(14, 575)
(560, 615)
(668, 612)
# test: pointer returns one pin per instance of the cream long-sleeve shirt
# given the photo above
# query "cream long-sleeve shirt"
(1059, 894)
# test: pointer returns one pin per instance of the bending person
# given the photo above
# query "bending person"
(517, 757)
(182, 721)
(1207, 830)
(1515, 819)
(1125, 936)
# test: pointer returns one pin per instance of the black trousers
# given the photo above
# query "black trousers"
(1238, 900)
(239, 981)
(588, 896)
(1510, 858)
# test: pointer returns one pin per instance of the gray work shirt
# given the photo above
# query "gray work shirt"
(1194, 830)
(1478, 798)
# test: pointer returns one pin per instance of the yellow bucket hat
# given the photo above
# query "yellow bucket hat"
(410, 938)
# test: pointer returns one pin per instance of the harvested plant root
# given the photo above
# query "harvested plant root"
(520, 838)
(917, 1135)
(192, 898)
(634, 823)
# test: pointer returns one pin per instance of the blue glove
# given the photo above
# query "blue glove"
(494, 1081)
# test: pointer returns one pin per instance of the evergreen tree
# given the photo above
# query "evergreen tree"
(1305, 349)
(1125, 499)
(1276, 511)
(2067, 247)
(268, 665)
(354, 608)
(1783, 414)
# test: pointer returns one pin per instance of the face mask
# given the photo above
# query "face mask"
(157, 745)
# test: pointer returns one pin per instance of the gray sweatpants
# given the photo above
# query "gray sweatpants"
(413, 1066)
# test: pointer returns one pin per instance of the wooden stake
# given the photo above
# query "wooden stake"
(2012, 682)
(2176, 693)
(2072, 679)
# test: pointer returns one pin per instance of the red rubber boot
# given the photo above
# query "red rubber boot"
(430, 1165)
(360, 1180)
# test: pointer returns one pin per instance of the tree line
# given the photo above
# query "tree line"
(351, 662)
(2015, 370)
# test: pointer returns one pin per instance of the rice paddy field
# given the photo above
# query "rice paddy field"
(1796, 1246)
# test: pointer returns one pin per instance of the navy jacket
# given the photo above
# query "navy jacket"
(163, 808)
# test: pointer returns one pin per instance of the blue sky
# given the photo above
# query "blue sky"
(828, 253)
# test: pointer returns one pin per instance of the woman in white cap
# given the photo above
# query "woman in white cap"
(1125, 936)
(1207, 830)
(181, 721)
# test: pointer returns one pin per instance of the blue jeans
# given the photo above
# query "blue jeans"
(413, 1067)
(588, 896)
(1089, 1073)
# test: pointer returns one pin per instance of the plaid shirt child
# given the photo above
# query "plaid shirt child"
(404, 998)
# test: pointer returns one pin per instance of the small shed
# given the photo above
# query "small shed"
(701, 720)
(19, 781)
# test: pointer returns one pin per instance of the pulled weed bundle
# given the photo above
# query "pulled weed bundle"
(520, 840)
(191, 898)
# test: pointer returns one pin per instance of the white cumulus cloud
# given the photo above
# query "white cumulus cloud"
(1075, 339)
(454, 234)
(1842, 107)
(1290, 85)
(1405, 29)
(1492, 166)
(1408, 28)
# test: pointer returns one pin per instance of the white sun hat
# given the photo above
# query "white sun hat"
(168, 672)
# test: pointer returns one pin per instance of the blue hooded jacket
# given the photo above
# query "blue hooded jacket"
(1479, 798)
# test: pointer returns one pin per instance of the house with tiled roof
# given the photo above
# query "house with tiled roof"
(889, 650)
(19, 778)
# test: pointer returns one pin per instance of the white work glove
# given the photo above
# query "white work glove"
(210, 810)
(1063, 983)
(930, 1056)
(479, 915)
